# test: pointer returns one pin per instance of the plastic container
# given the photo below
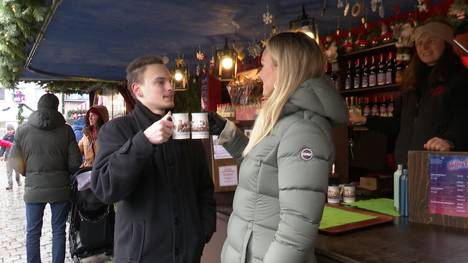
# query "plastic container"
(404, 193)
(396, 187)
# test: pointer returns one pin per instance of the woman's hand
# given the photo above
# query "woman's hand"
(438, 144)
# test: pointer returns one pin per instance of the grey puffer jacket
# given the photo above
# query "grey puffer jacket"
(46, 152)
(283, 180)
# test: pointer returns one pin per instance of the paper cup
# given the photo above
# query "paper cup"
(349, 194)
(200, 127)
(333, 194)
(181, 129)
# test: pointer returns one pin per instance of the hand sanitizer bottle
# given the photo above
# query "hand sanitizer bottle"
(396, 187)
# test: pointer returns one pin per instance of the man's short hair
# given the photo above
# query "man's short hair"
(137, 67)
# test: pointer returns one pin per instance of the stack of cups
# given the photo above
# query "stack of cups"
(198, 127)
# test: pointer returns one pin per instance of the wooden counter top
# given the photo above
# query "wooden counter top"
(398, 242)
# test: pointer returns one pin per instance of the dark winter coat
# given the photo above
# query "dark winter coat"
(166, 210)
(427, 112)
(46, 152)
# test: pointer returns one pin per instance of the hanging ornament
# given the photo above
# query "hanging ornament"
(422, 6)
(197, 72)
(200, 54)
(374, 5)
(324, 8)
(340, 4)
(254, 49)
(346, 8)
(165, 59)
(381, 10)
(337, 26)
(267, 16)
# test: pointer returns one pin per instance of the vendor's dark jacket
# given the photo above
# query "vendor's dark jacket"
(166, 210)
(426, 112)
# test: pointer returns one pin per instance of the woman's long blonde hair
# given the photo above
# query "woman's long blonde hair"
(297, 58)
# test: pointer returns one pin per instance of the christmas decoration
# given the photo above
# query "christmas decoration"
(200, 54)
(19, 24)
(267, 16)
(422, 6)
(457, 14)
(255, 49)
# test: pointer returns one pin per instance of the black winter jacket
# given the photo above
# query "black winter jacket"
(424, 113)
(166, 210)
(46, 152)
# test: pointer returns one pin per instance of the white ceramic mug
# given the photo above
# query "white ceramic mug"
(333, 194)
(200, 127)
(181, 129)
(349, 194)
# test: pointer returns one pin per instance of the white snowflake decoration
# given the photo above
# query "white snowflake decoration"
(267, 16)
(254, 49)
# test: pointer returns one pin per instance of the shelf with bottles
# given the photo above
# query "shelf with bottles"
(380, 106)
(373, 72)
(390, 45)
(377, 89)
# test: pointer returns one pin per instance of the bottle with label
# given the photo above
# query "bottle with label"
(390, 107)
(367, 109)
(404, 193)
(349, 77)
(365, 74)
(396, 187)
(373, 72)
(357, 74)
(381, 71)
(390, 73)
(375, 108)
(383, 108)
(400, 68)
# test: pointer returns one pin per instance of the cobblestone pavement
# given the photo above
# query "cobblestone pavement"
(13, 225)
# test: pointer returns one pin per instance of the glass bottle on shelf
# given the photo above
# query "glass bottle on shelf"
(372, 73)
(390, 74)
(366, 111)
(383, 108)
(349, 77)
(375, 108)
(381, 71)
(357, 74)
(365, 74)
(400, 68)
(390, 107)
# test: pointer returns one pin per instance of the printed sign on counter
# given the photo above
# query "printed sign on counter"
(219, 151)
(228, 175)
(448, 187)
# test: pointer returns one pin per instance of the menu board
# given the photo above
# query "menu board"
(448, 186)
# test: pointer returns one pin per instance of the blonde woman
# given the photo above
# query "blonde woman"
(283, 176)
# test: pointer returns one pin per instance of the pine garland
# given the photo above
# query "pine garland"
(19, 24)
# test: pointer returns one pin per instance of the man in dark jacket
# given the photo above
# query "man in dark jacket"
(46, 152)
(4, 153)
(166, 209)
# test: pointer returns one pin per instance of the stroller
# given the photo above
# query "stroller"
(91, 233)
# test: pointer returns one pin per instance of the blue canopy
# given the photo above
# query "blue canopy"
(97, 39)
